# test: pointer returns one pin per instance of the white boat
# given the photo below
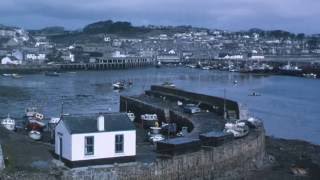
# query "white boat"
(205, 68)
(289, 67)
(158, 64)
(54, 120)
(169, 84)
(30, 112)
(254, 122)
(149, 117)
(35, 135)
(191, 108)
(156, 138)
(7, 75)
(154, 134)
(131, 116)
(16, 76)
(9, 123)
(310, 75)
(238, 129)
(149, 120)
(118, 85)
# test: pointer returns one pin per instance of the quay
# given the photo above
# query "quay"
(109, 63)
(100, 64)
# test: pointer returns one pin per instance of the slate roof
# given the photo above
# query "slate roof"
(88, 124)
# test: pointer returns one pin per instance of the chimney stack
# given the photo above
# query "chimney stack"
(100, 122)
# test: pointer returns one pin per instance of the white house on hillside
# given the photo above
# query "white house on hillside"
(83, 140)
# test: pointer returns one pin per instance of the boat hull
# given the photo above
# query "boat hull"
(35, 135)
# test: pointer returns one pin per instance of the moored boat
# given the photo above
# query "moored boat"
(254, 94)
(30, 112)
(16, 76)
(118, 85)
(238, 129)
(309, 75)
(168, 84)
(131, 116)
(35, 135)
(149, 120)
(154, 134)
(206, 68)
(158, 65)
(52, 74)
(9, 123)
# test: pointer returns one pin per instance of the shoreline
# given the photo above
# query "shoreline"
(40, 69)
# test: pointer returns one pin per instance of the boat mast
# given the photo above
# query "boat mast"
(62, 106)
(224, 104)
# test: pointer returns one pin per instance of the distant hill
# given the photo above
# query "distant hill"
(110, 27)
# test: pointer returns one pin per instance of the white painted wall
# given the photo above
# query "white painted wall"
(66, 141)
(104, 145)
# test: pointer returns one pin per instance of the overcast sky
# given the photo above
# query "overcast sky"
(292, 15)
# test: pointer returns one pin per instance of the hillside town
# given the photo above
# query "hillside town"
(163, 43)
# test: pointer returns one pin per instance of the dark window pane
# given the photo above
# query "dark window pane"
(89, 145)
(119, 143)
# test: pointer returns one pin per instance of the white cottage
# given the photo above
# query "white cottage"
(106, 139)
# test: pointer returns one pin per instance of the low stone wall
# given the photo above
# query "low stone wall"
(233, 160)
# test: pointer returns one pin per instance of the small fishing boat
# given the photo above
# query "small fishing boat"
(131, 116)
(191, 108)
(16, 76)
(154, 134)
(35, 135)
(205, 68)
(9, 123)
(149, 120)
(238, 129)
(55, 74)
(30, 112)
(7, 75)
(310, 75)
(158, 65)
(118, 85)
(255, 94)
(254, 122)
(169, 84)
(54, 120)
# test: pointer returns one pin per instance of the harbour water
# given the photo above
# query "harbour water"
(289, 106)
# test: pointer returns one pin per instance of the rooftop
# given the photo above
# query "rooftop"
(88, 124)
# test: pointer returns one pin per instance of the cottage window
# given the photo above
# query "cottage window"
(119, 143)
(89, 145)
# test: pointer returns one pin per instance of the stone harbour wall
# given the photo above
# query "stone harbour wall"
(233, 160)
